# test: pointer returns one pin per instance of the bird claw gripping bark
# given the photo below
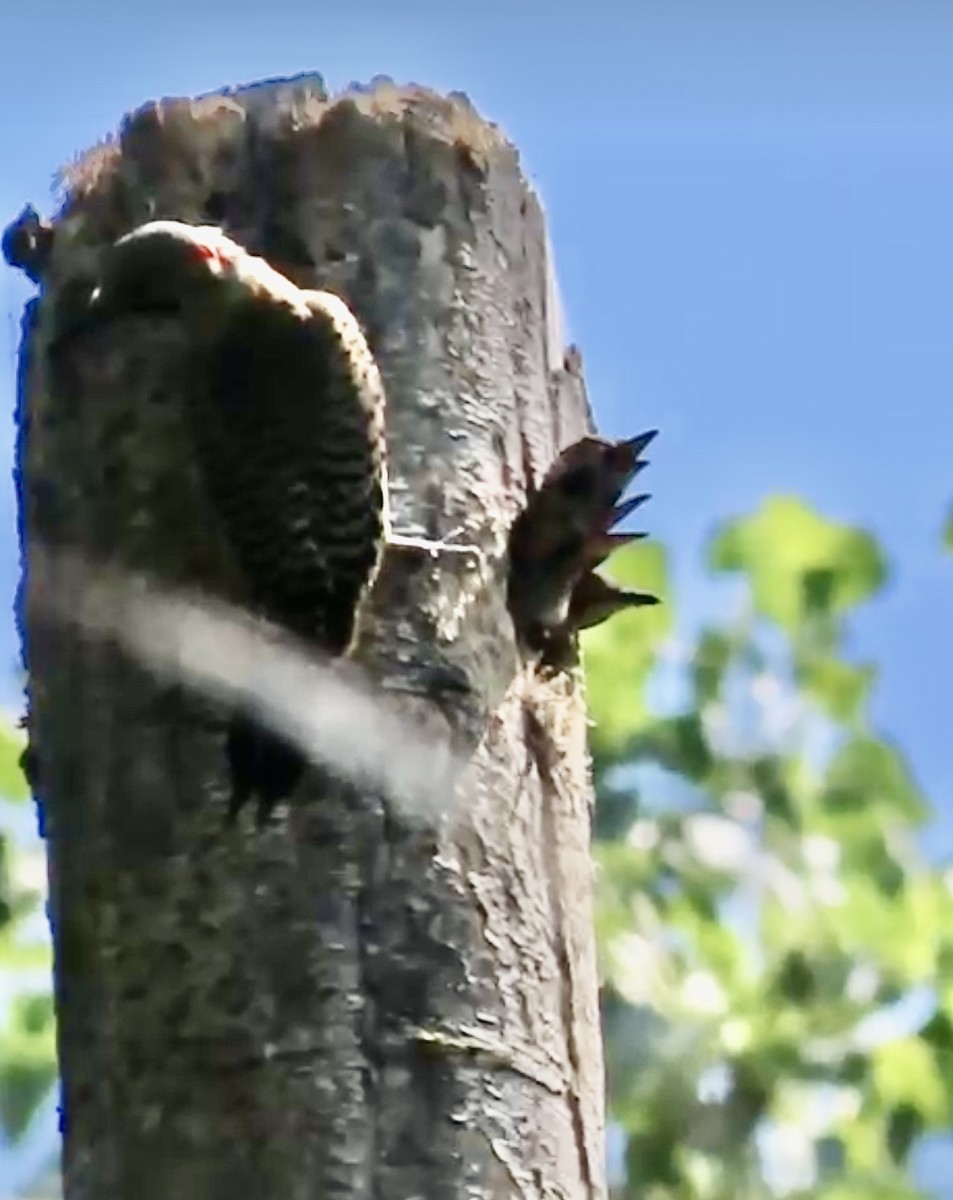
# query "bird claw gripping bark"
(567, 530)
(286, 409)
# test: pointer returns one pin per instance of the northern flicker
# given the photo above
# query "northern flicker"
(287, 414)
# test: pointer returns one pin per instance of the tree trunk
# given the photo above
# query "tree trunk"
(353, 1002)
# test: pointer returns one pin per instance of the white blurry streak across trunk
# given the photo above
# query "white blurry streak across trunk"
(225, 653)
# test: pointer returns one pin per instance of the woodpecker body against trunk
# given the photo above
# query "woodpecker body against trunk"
(287, 412)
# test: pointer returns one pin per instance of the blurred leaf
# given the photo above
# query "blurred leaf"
(6, 897)
(27, 1061)
(13, 785)
(711, 659)
(768, 777)
(678, 743)
(840, 688)
(938, 1032)
(905, 1074)
(867, 774)
(868, 1187)
(896, 934)
(650, 1156)
(795, 981)
(620, 654)
(854, 1069)
(904, 1125)
(18, 955)
(799, 563)
(865, 1143)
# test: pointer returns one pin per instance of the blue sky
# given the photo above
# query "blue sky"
(751, 210)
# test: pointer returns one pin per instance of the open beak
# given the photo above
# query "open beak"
(595, 599)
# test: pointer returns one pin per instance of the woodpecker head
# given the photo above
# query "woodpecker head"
(595, 599)
(578, 500)
(596, 471)
(164, 268)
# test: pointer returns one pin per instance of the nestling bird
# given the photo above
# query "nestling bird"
(566, 531)
(287, 414)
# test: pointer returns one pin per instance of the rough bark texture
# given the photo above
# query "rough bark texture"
(348, 1004)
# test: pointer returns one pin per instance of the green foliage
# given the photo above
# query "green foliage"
(762, 902)
(621, 654)
(27, 1027)
(27, 1061)
(13, 785)
(798, 564)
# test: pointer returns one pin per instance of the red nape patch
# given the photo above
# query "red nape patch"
(207, 252)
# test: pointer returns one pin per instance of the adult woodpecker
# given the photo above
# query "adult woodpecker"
(287, 415)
